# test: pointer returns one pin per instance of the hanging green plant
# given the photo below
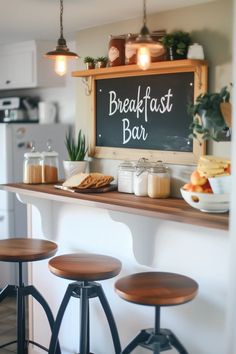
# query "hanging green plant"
(208, 120)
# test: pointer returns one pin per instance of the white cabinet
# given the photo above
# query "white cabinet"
(23, 65)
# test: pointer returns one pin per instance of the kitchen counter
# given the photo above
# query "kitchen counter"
(171, 209)
(144, 234)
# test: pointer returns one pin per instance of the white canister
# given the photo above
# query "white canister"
(125, 177)
(195, 51)
(141, 177)
(47, 112)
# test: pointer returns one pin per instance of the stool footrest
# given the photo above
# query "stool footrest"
(157, 342)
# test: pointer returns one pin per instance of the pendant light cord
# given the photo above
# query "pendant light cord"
(144, 13)
(61, 17)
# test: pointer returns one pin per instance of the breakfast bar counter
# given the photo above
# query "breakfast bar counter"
(144, 234)
(171, 209)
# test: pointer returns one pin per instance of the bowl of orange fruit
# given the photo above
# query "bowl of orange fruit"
(209, 186)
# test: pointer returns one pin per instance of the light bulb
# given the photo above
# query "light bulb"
(143, 58)
(60, 65)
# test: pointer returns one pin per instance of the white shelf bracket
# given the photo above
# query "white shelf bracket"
(87, 81)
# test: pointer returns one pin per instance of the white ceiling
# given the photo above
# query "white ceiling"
(39, 19)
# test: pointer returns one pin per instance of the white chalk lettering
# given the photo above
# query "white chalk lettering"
(142, 104)
(136, 133)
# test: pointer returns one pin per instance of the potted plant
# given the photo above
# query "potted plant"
(101, 62)
(176, 43)
(90, 62)
(77, 150)
(208, 118)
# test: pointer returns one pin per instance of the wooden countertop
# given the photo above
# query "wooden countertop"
(172, 209)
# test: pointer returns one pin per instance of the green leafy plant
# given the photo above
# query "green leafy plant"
(208, 120)
(102, 59)
(89, 60)
(178, 41)
(76, 148)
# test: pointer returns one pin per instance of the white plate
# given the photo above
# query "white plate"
(207, 202)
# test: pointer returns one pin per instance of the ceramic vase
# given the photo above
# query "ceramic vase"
(73, 167)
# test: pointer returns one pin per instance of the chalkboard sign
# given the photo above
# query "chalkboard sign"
(145, 112)
(137, 113)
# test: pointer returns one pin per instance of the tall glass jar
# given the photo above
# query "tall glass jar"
(50, 165)
(159, 181)
(116, 51)
(125, 177)
(141, 177)
(32, 171)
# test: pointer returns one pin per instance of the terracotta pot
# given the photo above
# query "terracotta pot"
(101, 64)
(90, 66)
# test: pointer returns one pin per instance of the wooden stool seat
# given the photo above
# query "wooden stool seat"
(157, 288)
(21, 250)
(26, 249)
(85, 267)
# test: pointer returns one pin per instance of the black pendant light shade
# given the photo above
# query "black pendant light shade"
(62, 53)
(61, 49)
(144, 44)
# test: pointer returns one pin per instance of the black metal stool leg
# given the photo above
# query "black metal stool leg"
(176, 343)
(31, 290)
(110, 319)
(9, 290)
(141, 337)
(69, 292)
(84, 321)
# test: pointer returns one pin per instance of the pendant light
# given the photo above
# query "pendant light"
(62, 53)
(144, 44)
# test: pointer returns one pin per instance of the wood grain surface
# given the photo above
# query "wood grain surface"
(26, 249)
(171, 209)
(157, 288)
(85, 266)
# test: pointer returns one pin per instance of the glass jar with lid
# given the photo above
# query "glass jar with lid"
(159, 181)
(49, 165)
(32, 171)
(141, 177)
(116, 51)
(125, 177)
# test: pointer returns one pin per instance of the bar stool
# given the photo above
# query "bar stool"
(20, 250)
(156, 289)
(86, 269)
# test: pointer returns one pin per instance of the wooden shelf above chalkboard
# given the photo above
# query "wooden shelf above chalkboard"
(131, 69)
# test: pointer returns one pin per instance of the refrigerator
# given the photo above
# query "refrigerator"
(15, 140)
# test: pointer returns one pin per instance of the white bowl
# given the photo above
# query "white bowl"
(207, 202)
(221, 185)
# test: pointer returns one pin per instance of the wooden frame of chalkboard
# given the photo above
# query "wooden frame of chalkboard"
(144, 113)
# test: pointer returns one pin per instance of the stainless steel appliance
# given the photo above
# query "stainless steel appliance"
(18, 109)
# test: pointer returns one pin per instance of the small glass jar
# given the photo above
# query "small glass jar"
(50, 165)
(125, 177)
(141, 177)
(159, 181)
(32, 171)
